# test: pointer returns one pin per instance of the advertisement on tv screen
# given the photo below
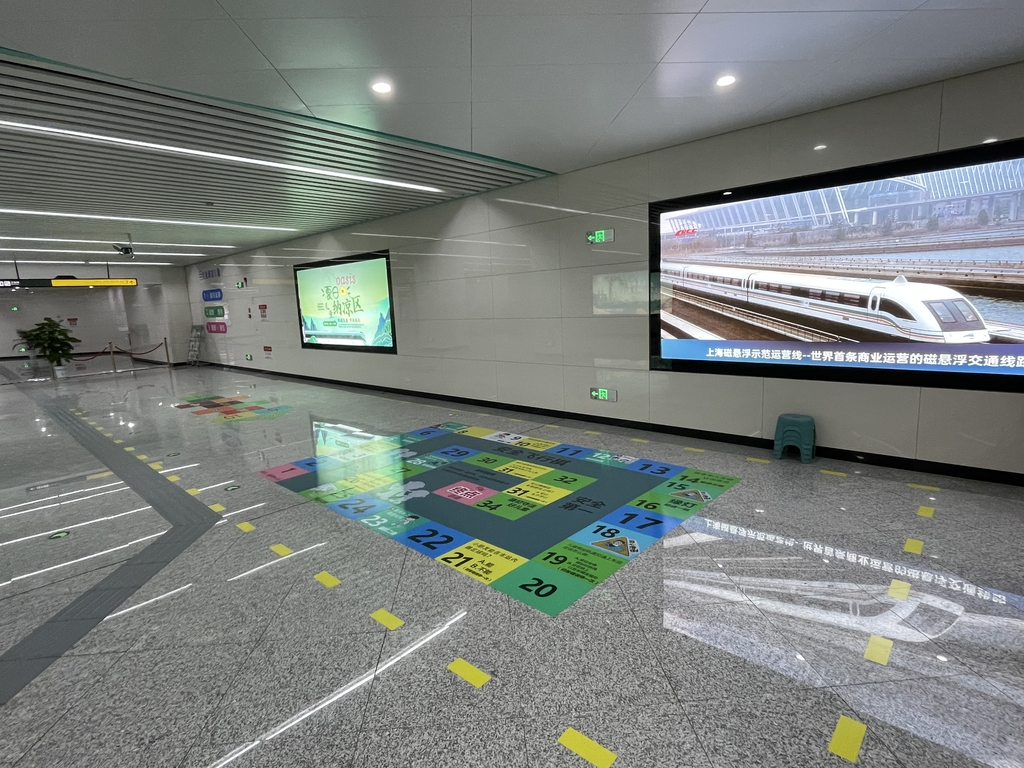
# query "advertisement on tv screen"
(346, 303)
(921, 272)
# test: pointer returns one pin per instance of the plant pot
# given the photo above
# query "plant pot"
(59, 371)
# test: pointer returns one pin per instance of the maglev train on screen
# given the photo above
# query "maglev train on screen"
(911, 311)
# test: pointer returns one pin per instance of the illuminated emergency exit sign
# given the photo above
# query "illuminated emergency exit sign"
(601, 236)
(600, 393)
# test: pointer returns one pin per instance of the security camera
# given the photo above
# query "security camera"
(124, 250)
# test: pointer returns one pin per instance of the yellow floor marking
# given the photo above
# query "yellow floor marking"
(108, 434)
(926, 511)
(759, 461)
(246, 527)
(551, 426)
(913, 546)
(878, 650)
(279, 549)
(639, 440)
(91, 422)
(472, 675)
(923, 487)
(693, 450)
(128, 449)
(591, 432)
(515, 419)
(156, 465)
(218, 508)
(142, 457)
(119, 441)
(173, 478)
(192, 491)
(847, 738)
(386, 618)
(587, 748)
(899, 590)
(99, 475)
(327, 579)
(830, 472)
(99, 429)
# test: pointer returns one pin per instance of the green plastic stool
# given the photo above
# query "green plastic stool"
(798, 430)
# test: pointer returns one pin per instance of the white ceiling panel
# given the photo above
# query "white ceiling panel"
(264, 86)
(110, 10)
(777, 36)
(580, 7)
(771, 6)
(940, 5)
(340, 9)
(364, 42)
(995, 35)
(141, 49)
(413, 85)
(436, 122)
(563, 131)
(582, 39)
(571, 82)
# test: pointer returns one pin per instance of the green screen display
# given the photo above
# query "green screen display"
(346, 303)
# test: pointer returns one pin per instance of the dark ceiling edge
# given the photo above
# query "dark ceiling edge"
(77, 71)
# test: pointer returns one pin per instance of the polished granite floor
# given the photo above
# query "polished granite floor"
(738, 639)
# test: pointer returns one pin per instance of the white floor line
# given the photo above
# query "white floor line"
(275, 562)
(140, 605)
(62, 503)
(217, 485)
(59, 496)
(80, 559)
(246, 509)
(326, 701)
(76, 525)
(175, 469)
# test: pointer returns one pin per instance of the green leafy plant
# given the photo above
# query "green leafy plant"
(50, 340)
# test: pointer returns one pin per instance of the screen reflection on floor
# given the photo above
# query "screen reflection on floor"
(952, 676)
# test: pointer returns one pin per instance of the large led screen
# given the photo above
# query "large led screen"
(915, 271)
(345, 303)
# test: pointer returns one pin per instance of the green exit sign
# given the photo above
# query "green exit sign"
(601, 236)
(213, 311)
(608, 395)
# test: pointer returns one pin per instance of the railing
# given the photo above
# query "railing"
(792, 330)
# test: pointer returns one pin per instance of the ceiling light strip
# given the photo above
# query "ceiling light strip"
(107, 242)
(10, 124)
(57, 214)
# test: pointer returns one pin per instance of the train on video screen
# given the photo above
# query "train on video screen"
(891, 308)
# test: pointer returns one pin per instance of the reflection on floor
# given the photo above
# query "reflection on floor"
(810, 615)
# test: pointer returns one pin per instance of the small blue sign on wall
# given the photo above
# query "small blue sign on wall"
(215, 294)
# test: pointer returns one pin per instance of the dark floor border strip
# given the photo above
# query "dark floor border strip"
(855, 457)
(189, 519)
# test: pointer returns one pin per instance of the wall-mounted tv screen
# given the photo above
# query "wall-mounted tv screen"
(915, 267)
(345, 303)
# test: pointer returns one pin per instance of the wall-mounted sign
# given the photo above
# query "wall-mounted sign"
(96, 282)
(600, 393)
(263, 311)
(209, 274)
(249, 358)
(268, 353)
(214, 294)
(73, 322)
(217, 311)
(10, 283)
(216, 327)
(601, 236)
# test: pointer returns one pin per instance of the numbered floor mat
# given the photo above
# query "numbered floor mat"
(543, 522)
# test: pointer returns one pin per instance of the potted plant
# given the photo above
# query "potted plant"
(51, 341)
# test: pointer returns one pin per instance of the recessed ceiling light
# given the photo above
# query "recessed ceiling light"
(727, 193)
(725, 80)
(17, 212)
(991, 140)
(381, 87)
(820, 147)
(211, 155)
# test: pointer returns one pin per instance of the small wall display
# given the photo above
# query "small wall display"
(213, 294)
(542, 521)
(345, 303)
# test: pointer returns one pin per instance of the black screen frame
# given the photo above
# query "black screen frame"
(370, 256)
(938, 161)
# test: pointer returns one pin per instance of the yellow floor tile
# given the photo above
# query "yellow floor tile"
(847, 738)
(280, 549)
(471, 674)
(327, 579)
(246, 527)
(878, 649)
(587, 748)
(386, 618)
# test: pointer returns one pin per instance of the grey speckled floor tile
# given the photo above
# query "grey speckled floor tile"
(448, 745)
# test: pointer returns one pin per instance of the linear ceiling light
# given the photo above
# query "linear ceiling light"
(211, 155)
(107, 242)
(101, 253)
(17, 212)
(39, 261)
